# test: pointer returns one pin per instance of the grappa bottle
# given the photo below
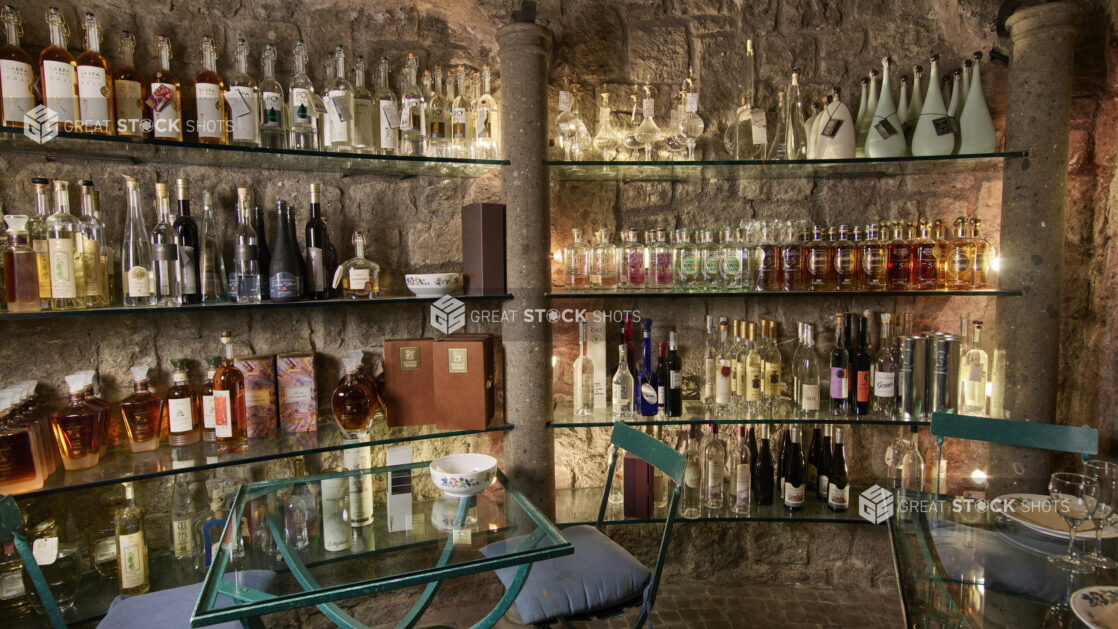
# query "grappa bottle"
(95, 82)
(387, 117)
(211, 122)
(273, 112)
(975, 375)
(809, 376)
(606, 139)
(183, 408)
(131, 547)
(129, 91)
(576, 262)
(206, 394)
(64, 246)
(838, 481)
(338, 127)
(21, 272)
(837, 130)
(840, 374)
(886, 368)
(211, 262)
(583, 377)
(363, 139)
(622, 386)
(933, 133)
(984, 255)
(960, 258)
(603, 263)
(865, 115)
(358, 277)
(77, 428)
(186, 238)
(246, 263)
(183, 544)
(142, 413)
(911, 115)
(164, 102)
(242, 101)
(691, 500)
(413, 122)
(304, 118)
(886, 137)
(95, 290)
(975, 124)
(58, 73)
(165, 253)
(230, 422)
(488, 126)
(352, 402)
(17, 77)
(135, 251)
(462, 113)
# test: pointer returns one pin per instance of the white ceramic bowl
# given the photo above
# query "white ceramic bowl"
(433, 284)
(463, 475)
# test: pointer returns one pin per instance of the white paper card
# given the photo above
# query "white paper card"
(564, 101)
(649, 107)
(237, 105)
(45, 550)
(760, 127)
(693, 102)
(596, 349)
(388, 110)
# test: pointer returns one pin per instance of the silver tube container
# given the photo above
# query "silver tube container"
(911, 386)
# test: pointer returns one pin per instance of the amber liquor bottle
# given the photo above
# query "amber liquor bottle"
(923, 274)
(164, 104)
(940, 246)
(76, 429)
(183, 410)
(983, 255)
(142, 413)
(353, 401)
(209, 101)
(960, 258)
(899, 260)
(95, 82)
(818, 268)
(58, 73)
(206, 395)
(16, 72)
(129, 90)
(230, 421)
(873, 267)
(846, 261)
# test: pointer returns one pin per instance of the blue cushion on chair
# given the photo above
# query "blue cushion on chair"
(171, 609)
(599, 575)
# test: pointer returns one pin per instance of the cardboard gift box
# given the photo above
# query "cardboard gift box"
(298, 403)
(483, 249)
(409, 390)
(639, 497)
(260, 394)
(463, 378)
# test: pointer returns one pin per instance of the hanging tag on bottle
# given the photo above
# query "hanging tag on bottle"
(388, 110)
(317, 106)
(885, 129)
(692, 102)
(482, 116)
(159, 98)
(675, 118)
(45, 550)
(941, 125)
(760, 127)
(831, 128)
(339, 108)
(237, 105)
(564, 100)
(649, 107)
(337, 276)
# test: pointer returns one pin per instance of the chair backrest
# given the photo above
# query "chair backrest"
(668, 461)
(11, 521)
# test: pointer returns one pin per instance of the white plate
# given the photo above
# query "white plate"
(1090, 602)
(1018, 516)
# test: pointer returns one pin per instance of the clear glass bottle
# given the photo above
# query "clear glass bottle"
(899, 264)
(37, 231)
(714, 471)
(273, 129)
(338, 125)
(304, 118)
(793, 239)
(186, 239)
(163, 107)
(487, 129)
(135, 251)
(94, 289)
(142, 413)
(710, 275)
(62, 570)
(413, 114)
(246, 264)
(688, 263)
(95, 82)
(960, 258)
(566, 122)
(647, 133)
(923, 257)
(78, 428)
(778, 143)
(873, 259)
(770, 365)
(131, 547)
(58, 73)
(603, 263)
(634, 272)
(622, 387)
(21, 269)
(887, 365)
(846, 267)
(661, 266)
(768, 259)
(16, 72)
(576, 262)
(984, 254)
(583, 377)
(730, 260)
(459, 112)
(741, 474)
(183, 410)
(691, 498)
(975, 375)
(244, 114)
(723, 371)
(230, 421)
(353, 402)
(165, 253)
(13, 597)
(64, 246)
(211, 262)
(300, 513)
(795, 136)
(206, 394)
(184, 546)
(437, 115)
(606, 138)
(211, 118)
(363, 138)
(809, 376)
(358, 277)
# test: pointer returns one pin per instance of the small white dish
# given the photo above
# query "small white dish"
(1091, 602)
(463, 475)
(433, 284)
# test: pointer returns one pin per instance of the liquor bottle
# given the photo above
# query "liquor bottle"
(741, 474)
(37, 231)
(911, 115)
(795, 137)
(413, 107)
(691, 500)
(814, 454)
(729, 256)
(846, 262)
(763, 470)
(316, 239)
(770, 363)
(300, 510)
(206, 395)
(818, 263)
(795, 481)
(64, 235)
(329, 73)
(778, 146)
(96, 402)
(606, 138)
(129, 91)
(899, 264)
(836, 130)
(887, 366)
(983, 255)
(77, 429)
(737, 356)
(246, 255)
(662, 376)
(17, 78)
(437, 115)
(782, 459)
(673, 395)
(91, 248)
(885, 137)
(647, 133)
(923, 258)
(363, 139)
(838, 482)
(874, 270)
(164, 101)
(753, 373)
(723, 371)
(488, 127)
(230, 423)
(576, 261)
(21, 268)
(710, 262)
(975, 124)
(632, 261)
(213, 523)
(211, 121)
(131, 548)
(58, 73)
(165, 253)
(358, 277)
(183, 408)
(142, 413)
(583, 373)
(954, 106)
(965, 91)
(647, 382)
(243, 101)
(186, 238)
(352, 402)
(263, 252)
(940, 246)
(304, 118)
(285, 281)
(688, 267)
(710, 361)
(865, 115)
(714, 470)
(273, 123)
(210, 261)
(95, 82)
(183, 545)
(840, 370)
(659, 268)
(934, 133)
(622, 385)
(975, 375)
(809, 378)
(768, 260)
(861, 363)
(960, 258)
(459, 110)
(387, 118)
(603, 263)
(135, 250)
(792, 242)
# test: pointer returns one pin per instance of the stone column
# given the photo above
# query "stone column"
(525, 52)
(1034, 198)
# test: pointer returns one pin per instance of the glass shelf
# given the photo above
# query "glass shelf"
(229, 307)
(120, 464)
(580, 506)
(111, 148)
(563, 293)
(563, 417)
(761, 169)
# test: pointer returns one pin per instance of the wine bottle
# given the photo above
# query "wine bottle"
(673, 403)
(783, 452)
(838, 488)
(933, 134)
(741, 474)
(714, 469)
(317, 279)
(647, 380)
(861, 364)
(809, 376)
(661, 380)
(165, 253)
(794, 480)
(622, 386)
(284, 280)
(840, 365)
(300, 261)
(691, 500)
(975, 124)
(763, 470)
(823, 467)
(814, 453)
(186, 237)
(263, 253)
(885, 138)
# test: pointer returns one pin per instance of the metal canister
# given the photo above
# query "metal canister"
(944, 357)
(911, 385)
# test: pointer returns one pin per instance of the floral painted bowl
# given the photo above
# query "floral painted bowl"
(433, 284)
(463, 475)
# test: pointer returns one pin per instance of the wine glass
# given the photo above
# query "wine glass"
(605, 141)
(1106, 473)
(567, 122)
(647, 132)
(1074, 497)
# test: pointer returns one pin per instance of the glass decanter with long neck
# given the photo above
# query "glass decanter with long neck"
(273, 118)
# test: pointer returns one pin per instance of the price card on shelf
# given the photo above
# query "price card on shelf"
(649, 107)
(692, 103)
(237, 105)
(760, 127)
(564, 100)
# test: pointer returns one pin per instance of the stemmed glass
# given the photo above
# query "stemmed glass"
(1106, 474)
(567, 123)
(647, 132)
(1074, 496)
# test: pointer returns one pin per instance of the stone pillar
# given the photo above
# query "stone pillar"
(1034, 198)
(525, 52)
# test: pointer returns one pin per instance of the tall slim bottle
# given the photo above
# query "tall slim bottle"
(58, 74)
(933, 133)
(206, 394)
(714, 471)
(230, 422)
(284, 278)
(809, 382)
(164, 104)
(437, 114)
(583, 373)
(64, 238)
(691, 498)
(363, 139)
(763, 470)
(304, 121)
(673, 394)
(129, 90)
(211, 119)
(263, 252)
(242, 101)
(273, 111)
(186, 238)
(795, 474)
(339, 101)
(911, 115)
(647, 381)
(460, 111)
(211, 261)
(95, 290)
(165, 253)
(135, 251)
(861, 363)
(413, 106)
(183, 543)
(246, 263)
(885, 137)
(975, 124)
(741, 474)
(95, 82)
(17, 76)
(488, 126)
(131, 547)
(838, 481)
(886, 368)
(622, 386)
(840, 374)
(865, 115)
(318, 276)
(387, 118)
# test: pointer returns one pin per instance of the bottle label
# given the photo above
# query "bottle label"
(840, 384)
(129, 108)
(272, 103)
(759, 127)
(675, 379)
(863, 384)
(208, 412)
(824, 483)
(885, 129)
(772, 379)
(960, 262)
(661, 394)
(388, 124)
(884, 384)
(458, 123)
(710, 266)
(63, 284)
(635, 268)
(166, 121)
(741, 496)
(182, 540)
(187, 270)
(708, 378)
(753, 384)
(715, 470)
(648, 107)
(223, 415)
(11, 585)
(138, 282)
(648, 393)
(16, 80)
(337, 119)
(284, 285)
(180, 415)
(838, 498)
(245, 119)
(301, 112)
(809, 397)
(91, 264)
(359, 280)
(93, 97)
(360, 486)
(363, 122)
(257, 397)
(942, 126)
(722, 385)
(60, 89)
(564, 100)
(484, 122)
(244, 253)
(663, 265)
(693, 473)
(844, 261)
(689, 264)
(621, 399)
(316, 268)
(45, 550)
(873, 260)
(406, 117)
(42, 262)
(794, 494)
(211, 111)
(731, 264)
(132, 560)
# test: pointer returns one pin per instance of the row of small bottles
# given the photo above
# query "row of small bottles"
(59, 261)
(343, 116)
(786, 256)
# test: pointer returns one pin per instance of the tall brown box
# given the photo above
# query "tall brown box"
(637, 478)
(483, 249)
(464, 381)
(408, 382)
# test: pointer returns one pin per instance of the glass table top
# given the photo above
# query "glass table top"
(418, 536)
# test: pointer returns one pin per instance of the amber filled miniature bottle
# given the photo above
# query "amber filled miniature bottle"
(899, 260)
(873, 267)
(230, 420)
(817, 263)
(102, 406)
(923, 273)
(207, 397)
(960, 258)
(183, 410)
(142, 412)
(846, 262)
(76, 429)
(21, 268)
(353, 402)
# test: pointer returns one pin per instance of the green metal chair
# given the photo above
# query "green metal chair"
(11, 521)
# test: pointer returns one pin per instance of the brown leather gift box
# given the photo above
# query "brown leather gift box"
(464, 381)
(408, 382)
